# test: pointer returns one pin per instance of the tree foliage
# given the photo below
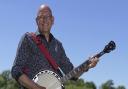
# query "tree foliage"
(7, 82)
(110, 85)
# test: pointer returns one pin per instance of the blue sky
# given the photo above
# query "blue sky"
(83, 26)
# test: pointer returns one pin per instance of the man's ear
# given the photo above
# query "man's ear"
(52, 19)
(37, 20)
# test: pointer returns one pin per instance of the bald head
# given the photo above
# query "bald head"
(44, 8)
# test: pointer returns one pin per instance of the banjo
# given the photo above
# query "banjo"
(51, 80)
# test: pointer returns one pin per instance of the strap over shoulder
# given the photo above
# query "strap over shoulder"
(44, 50)
(35, 38)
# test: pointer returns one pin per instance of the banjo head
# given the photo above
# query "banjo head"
(48, 79)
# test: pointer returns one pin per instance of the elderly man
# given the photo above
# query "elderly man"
(29, 59)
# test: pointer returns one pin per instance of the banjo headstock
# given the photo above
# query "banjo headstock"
(109, 47)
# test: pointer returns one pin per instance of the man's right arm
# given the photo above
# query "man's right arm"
(28, 83)
(20, 63)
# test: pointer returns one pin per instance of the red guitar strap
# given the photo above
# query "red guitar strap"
(44, 50)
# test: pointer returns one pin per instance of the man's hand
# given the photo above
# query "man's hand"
(28, 83)
(93, 62)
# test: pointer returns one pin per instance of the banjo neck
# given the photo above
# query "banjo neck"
(78, 71)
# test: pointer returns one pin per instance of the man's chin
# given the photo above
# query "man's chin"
(45, 31)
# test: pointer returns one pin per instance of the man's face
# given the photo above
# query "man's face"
(44, 20)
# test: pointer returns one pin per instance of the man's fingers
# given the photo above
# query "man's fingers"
(93, 62)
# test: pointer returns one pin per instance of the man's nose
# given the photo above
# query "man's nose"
(46, 20)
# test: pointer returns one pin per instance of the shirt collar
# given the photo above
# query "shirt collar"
(41, 35)
(37, 33)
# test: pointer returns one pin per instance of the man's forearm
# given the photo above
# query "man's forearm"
(28, 83)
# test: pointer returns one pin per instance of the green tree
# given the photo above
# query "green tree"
(79, 84)
(2, 81)
(108, 85)
(7, 82)
(120, 87)
(90, 85)
(7, 75)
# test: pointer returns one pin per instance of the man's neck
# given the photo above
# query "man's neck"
(46, 35)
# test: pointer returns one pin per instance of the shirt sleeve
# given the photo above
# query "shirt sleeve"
(66, 66)
(21, 57)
